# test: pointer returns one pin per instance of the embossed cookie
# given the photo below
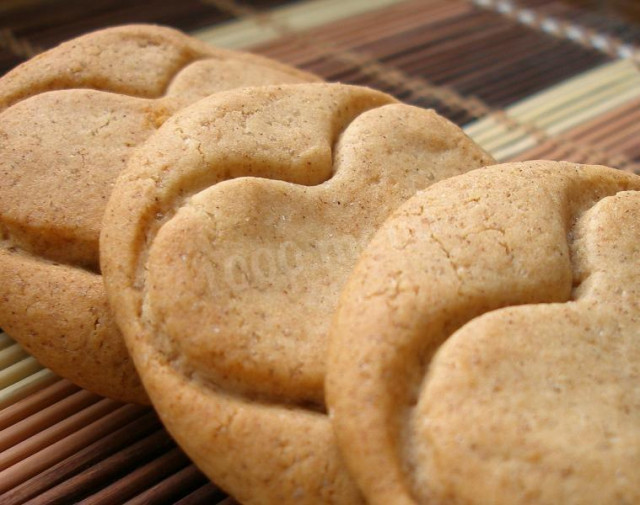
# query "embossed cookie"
(487, 346)
(69, 119)
(225, 245)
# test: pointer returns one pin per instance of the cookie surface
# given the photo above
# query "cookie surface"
(223, 262)
(486, 347)
(69, 119)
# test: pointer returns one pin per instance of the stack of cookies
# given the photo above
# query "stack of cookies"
(321, 291)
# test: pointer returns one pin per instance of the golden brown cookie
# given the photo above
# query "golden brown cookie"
(530, 275)
(69, 119)
(225, 245)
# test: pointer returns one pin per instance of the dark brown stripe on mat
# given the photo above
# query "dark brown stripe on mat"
(36, 402)
(449, 43)
(68, 479)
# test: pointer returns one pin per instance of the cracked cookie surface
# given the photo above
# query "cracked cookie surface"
(69, 119)
(485, 349)
(224, 260)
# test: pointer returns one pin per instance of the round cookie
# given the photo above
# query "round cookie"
(69, 119)
(486, 350)
(225, 245)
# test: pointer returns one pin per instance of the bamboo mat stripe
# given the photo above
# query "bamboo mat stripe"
(249, 31)
(563, 21)
(562, 108)
(568, 87)
(429, 48)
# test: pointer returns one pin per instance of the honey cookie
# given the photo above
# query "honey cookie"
(486, 348)
(69, 119)
(224, 248)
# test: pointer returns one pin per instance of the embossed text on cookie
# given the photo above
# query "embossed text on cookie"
(260, 267)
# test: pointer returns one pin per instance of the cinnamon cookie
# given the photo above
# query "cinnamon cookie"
(487, 346)
(225, 245)
(69, 119)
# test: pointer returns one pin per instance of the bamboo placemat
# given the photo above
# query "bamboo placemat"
(526, 79)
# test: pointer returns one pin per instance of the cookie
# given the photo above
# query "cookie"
(486, 350)
(224, 248)
(69, 119)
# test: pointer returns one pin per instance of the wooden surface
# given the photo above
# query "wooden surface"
(526, 79)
